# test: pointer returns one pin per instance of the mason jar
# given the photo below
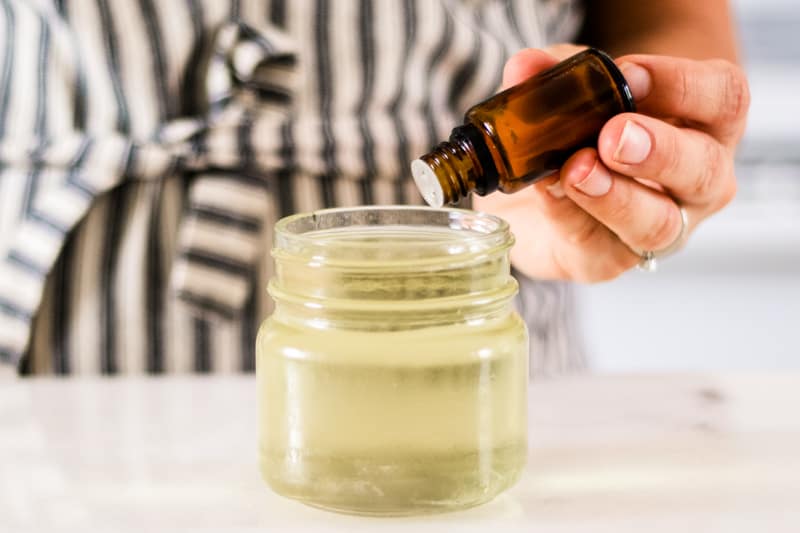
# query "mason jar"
(393, 372)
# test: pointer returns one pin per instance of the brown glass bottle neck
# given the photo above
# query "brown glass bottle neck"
(471, 138)
(463, 164)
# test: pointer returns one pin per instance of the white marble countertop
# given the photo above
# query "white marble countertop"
(622, 454)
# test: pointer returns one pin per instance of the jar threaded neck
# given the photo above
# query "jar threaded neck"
(410, 263)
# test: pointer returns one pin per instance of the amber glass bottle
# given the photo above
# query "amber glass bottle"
(526, 132)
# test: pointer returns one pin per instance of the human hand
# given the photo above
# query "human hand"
(584, 222)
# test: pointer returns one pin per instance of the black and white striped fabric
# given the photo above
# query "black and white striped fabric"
(148, 146)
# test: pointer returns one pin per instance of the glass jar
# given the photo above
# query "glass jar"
(393, 371)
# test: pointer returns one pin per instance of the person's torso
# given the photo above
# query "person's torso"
(318, 103)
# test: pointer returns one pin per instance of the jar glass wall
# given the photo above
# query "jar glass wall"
(393, 371)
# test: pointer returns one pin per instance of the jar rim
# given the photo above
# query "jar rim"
(473, 230)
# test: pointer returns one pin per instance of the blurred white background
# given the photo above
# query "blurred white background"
(731, 300)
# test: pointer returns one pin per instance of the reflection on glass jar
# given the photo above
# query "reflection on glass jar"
(393, 372)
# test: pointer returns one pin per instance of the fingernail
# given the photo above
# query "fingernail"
(597, 182)
(634, 144)
(638, 78)
(556, 190)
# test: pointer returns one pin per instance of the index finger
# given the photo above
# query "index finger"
(712, 95)
(524, 64)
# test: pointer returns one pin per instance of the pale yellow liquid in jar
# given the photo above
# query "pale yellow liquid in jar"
(387, 421)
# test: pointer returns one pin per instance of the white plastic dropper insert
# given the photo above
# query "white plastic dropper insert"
(427, 183)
